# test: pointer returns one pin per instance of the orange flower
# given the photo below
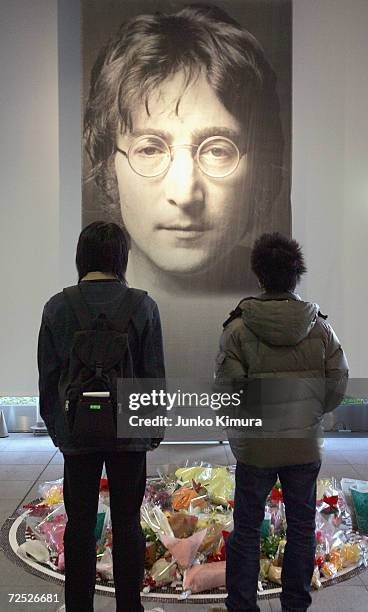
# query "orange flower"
(182, 498)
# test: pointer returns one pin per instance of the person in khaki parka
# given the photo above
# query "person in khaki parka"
(293, 369)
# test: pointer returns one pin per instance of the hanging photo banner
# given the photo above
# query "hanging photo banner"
(187, 144)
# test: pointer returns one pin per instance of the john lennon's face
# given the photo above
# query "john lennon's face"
(183, 220)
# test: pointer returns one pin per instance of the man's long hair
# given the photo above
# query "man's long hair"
(199, 39)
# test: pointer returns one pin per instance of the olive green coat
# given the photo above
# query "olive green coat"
(292, 368)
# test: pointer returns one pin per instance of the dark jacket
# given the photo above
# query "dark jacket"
(55, 338)
(295, 371)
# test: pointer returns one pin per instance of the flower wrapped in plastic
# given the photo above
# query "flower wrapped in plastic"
(212, 542)
(269, 546)
(328, 570)
(347, 484)
(154, 547)
(104, 491)
(51, 492)
(186, 518)
(184, 550)
(274, 573)
(351, 553)
(276, 493)
(334, 509)
(219, 554)
(264, 566)
(215, 514)
(155, 519)
(189, 497)
(150, 554)
(329, 538)
(51, 530)
(328, 496)
(61, 561)
(218, 481)
(332, 502)
(163, 572)
(204, 577)
(36, 550)
(278, 518)
(158, 495)
(185, 541)
(35, 514)
(183, 524)
(104, 564)
(103, 521)
(316, 578)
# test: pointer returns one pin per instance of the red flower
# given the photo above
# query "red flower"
(319, 560)
(276, 495)
(35, 507)
(331, 500)
(149, 581)
(196, 486)
(104, 485)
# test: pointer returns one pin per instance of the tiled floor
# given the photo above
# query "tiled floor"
(26, 461)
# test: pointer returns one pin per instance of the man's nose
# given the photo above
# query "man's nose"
(184, 181)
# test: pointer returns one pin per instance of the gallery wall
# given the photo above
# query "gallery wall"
(330, 161)
(29, 181)
(40, 168)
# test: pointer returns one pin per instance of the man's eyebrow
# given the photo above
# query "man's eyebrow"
(136, 133)
(202, 133)
(197, 136)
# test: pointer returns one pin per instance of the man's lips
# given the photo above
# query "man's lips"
(178, 227)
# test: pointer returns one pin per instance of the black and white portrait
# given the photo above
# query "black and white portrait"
(187, 145)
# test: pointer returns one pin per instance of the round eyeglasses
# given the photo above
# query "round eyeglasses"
(151, 156)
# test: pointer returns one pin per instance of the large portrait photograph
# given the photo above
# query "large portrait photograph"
(187, 145)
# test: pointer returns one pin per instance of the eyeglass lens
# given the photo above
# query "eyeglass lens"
(217, 156)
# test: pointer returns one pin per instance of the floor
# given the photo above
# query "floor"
(26, 461)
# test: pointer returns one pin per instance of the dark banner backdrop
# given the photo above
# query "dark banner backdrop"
(192, 211)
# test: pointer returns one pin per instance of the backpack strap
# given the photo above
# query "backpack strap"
(128, 304)
(323, 316)
(77, 303)
(234, 314)
(237, 312)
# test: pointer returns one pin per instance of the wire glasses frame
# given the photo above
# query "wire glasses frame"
(151, 156)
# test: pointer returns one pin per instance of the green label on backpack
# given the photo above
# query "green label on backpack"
(95, 407)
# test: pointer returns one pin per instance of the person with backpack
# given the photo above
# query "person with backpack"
(286, 358)
(91, 335)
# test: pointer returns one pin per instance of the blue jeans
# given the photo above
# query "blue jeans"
(242, 547)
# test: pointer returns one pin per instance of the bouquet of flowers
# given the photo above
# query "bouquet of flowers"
(186, 517)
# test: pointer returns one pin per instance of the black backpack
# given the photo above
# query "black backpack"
(99, 355)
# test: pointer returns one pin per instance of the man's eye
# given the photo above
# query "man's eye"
(219, 152)
(150, 151)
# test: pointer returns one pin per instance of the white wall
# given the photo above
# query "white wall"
(40, 222)
(70, 213)
(28, 183)
(330, 163)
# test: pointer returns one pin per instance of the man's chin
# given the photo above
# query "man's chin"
(185, 266)
(176, 262)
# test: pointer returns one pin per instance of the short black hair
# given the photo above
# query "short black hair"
(102, 247)
(146, 50)
(278, 262)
